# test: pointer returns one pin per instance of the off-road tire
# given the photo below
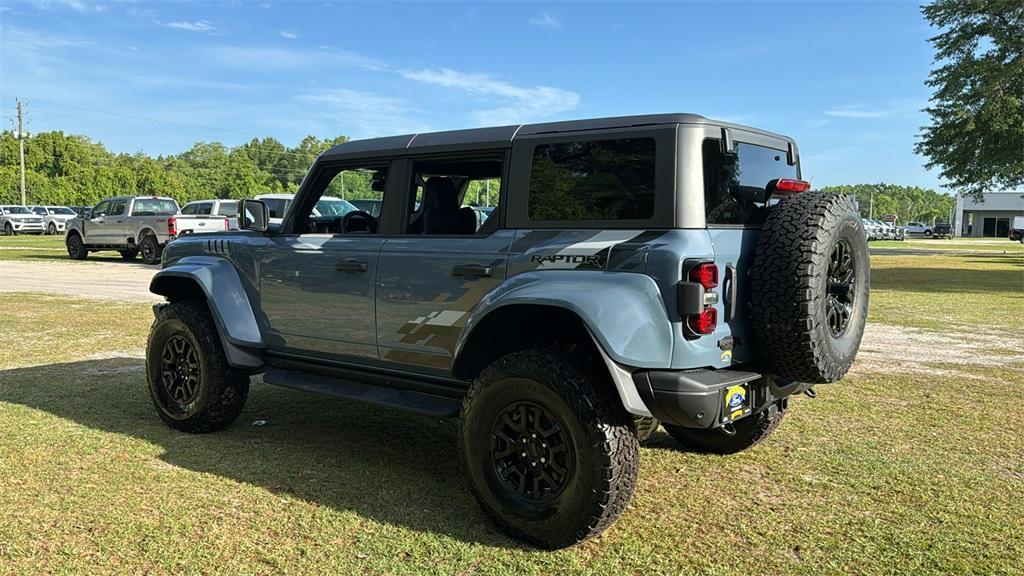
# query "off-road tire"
(599, 435)
(75, 246)
(221, 390)
(9, 230)
(150, 249)
(128, 254)
(792, 298)
(749, 431)
(645, 427)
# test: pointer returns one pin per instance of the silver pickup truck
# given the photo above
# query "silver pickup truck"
(134, 225)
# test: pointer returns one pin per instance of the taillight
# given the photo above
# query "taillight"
(225, 224)
(703, 323)
(705, 274)
(697, 297)
(790, 186)
(172, 226)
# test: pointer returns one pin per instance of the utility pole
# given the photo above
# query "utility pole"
(21, 135)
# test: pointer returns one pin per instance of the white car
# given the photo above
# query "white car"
(277, 206)
(215, 207)
(54, 217)
(873, 229)
(20, 220)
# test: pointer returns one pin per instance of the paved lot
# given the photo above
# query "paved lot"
(111, 280)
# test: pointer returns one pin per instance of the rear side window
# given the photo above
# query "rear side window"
(734, 184)
(593, 180)
(229, 209)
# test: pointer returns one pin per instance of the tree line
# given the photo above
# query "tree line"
(907, 203)
(70, 170)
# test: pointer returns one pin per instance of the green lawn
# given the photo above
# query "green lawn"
(955, 244)
(885, 473)
(40, 248)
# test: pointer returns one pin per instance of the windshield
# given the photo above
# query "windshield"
(17, 210)
(332, 207)
(62, 211)
(154, 207)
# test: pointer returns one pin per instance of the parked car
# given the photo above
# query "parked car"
(134, 225)
(873, 229)
(16, 220)
(278, 204)
(596, 301)
(942, 230)
(1017, 229)
(215, 207)
(918, 228)
(54, 217)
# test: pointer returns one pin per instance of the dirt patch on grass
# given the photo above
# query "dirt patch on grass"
(887, 348)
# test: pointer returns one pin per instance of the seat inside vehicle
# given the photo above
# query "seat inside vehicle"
(441, 211)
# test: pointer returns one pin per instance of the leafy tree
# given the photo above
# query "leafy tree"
(977, 133)
(908, 203)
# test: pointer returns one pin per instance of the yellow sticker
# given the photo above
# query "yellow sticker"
(726, 355)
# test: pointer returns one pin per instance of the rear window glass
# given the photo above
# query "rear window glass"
(734, 184)
(229, 209)
(277, 206)
(151, 207)
(593, 180)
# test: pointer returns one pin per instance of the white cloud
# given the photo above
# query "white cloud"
(275, 57)
(202, 26)
(288, 35)
(518, 103)
(364, 114)
(546, 20)
(815, 122)
(24, 39)
(902, 108)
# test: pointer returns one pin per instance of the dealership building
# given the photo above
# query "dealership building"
(991, 217)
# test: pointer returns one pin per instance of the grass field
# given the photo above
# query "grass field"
(892, 471)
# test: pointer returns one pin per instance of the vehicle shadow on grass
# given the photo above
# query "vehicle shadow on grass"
(380, 463)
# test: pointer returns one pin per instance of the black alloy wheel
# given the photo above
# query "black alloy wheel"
(179, 370)
(530, 452)
(841, 288)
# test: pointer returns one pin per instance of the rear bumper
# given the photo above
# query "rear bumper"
(700, 398)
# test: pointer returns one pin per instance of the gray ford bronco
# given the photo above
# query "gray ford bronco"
(636, 270)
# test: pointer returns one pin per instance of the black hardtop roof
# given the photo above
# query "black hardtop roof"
(502, 136)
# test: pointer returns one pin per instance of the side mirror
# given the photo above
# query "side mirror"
(253, 215)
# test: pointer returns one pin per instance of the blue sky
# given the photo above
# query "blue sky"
(845, 79)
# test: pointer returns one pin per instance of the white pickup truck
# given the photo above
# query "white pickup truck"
(134, 225)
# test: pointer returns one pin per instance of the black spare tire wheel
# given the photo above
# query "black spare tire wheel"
(809, 287)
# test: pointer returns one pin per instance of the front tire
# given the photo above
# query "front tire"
(192, 386)
(580, 448)
(748, 432)
(51, 229)
(9, 230)
(76, 248)
(150, 250)
(128, 254)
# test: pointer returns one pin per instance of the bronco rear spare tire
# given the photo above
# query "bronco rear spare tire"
(809, 287)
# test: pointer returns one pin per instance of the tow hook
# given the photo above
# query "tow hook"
(728, 429)
(811, 393)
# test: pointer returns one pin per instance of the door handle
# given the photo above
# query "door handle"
(730, 294)
(350, 265)
(473, 270)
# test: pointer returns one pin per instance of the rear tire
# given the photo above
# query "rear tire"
(192, 386)
(580, 448)
(76, 248)
(150, 250)
(749, 431)
(809, 287)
